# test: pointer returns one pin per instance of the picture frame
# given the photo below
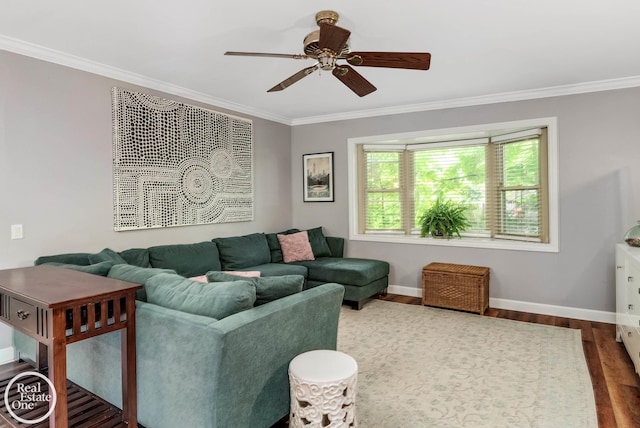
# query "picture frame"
(317, 175)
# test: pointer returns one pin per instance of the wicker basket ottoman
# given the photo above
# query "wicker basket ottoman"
(453, 286)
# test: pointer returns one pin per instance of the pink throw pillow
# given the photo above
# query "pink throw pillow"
(248, 273)
(296, 247)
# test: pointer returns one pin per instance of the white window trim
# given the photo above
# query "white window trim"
(479, 131)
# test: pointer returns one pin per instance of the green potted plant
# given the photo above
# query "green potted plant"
(443, 219)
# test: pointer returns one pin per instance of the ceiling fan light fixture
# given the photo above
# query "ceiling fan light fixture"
(327, 60)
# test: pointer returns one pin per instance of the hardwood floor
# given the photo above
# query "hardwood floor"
(616, 386)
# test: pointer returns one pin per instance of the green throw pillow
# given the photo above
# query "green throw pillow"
(136, 256)
(107, 255)
(268, 288)
(318, 243)
(215, 300)
(136, 274)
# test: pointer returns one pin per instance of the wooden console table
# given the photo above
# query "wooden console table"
(58, 306)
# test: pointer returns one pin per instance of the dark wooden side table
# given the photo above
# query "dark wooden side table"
(58, 306)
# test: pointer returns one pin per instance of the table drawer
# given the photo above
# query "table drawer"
(23, 315)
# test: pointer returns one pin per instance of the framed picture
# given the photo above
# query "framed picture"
(317, 171)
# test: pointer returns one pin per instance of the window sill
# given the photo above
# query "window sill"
(460, 242)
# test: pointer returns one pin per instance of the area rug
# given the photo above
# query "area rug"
(426, 367)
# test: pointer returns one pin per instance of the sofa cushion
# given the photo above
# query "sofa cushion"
(216, 299)
(268, 288)
(107, 255)
(136, 274)
(295, 247)
(186, 259)
(318, 242)
(352, 271)
(81, 259)
(274, 244)
(275, 269)
(238, 252)
(136, 256)
(101, 268)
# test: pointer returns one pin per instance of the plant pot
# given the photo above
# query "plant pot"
(632, 237)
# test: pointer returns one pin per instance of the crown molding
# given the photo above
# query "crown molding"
(555, 91)
(61, 58)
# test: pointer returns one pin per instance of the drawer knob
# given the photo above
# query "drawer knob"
(22, 314)
(628, 334)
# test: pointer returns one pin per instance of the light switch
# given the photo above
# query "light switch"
(16, 231)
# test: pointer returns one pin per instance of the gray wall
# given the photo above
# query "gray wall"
(56, 174)
(599, 154)
(56, 180)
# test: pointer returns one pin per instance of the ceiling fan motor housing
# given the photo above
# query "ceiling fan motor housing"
(312, 48)
(328, 16)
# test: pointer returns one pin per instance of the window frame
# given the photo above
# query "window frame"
(464, 132)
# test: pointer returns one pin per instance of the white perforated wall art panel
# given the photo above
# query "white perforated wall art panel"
(176, 164)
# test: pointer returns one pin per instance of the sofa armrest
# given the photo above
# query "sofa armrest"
(336, 244)
(197, 371)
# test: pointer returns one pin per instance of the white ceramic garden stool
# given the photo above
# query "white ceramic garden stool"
(323, 390)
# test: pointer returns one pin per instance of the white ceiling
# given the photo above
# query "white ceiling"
(482, 50)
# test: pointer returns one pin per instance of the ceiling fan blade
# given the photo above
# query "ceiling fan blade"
(411, 60)
(333, 37)
(272, 55)
(293, 79)
(353, 80)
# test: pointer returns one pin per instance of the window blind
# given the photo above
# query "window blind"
(383, 189)
(455, 173)
(516, 207)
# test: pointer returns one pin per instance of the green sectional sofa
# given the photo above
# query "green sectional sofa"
(361, 278)
(223, 362)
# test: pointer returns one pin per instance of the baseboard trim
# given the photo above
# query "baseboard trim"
(7, 355)
(405, 291)
(534, 308)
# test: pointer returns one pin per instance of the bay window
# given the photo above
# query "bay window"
(501, 173)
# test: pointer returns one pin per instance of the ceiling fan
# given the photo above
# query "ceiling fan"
(330, 44)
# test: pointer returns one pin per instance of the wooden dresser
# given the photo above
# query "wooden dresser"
(628, 300)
